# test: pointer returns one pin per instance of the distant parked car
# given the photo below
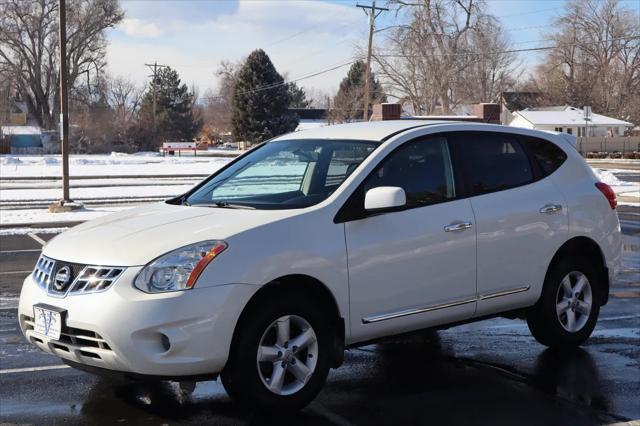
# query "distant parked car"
(331, 238)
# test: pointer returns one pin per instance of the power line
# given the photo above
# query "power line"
(533, 12)
(340, 65)
(530, 49)
(304, 77)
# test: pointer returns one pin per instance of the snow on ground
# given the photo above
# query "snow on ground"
(116, 164)
(29, 216)
(153, 164)
(92, 183)
(25, 231)
(628, 193)
(108, 192)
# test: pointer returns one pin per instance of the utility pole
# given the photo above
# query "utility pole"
(64, 105)
(372, 12)
(154, 68)
(65, 204)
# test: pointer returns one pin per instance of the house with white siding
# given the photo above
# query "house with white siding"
(571, 120)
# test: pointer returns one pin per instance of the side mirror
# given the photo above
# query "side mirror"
(384, 197)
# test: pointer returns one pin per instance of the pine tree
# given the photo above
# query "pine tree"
(260, 101)
(175, 118)
(297, 96)
(348, 102)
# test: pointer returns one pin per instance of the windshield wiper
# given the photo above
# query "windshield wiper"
(226, 205)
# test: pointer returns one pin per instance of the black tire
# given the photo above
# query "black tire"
(241, 377)
(543, 320)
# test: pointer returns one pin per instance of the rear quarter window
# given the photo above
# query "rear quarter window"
(492, 162)
(547, 155)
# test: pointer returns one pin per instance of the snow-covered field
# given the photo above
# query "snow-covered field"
(116, 164)
(163, 177)
(27, 198)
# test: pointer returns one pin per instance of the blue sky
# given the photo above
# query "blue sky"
(301, 37)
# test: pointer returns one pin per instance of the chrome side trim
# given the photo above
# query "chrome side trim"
(406, 312)
(503, 293)
(383, 317)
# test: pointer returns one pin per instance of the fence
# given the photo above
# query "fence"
(607, 144)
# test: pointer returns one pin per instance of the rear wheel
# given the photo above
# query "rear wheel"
(569, 306)
(280, 356)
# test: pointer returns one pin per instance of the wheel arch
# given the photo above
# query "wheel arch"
(589, 249)
(303, 286)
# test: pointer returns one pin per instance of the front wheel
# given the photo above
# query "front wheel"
(568, 309)
(280, 356)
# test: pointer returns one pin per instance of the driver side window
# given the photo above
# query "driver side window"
(422, 168)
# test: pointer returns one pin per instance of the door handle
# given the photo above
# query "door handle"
(551, 208)
(459, 226)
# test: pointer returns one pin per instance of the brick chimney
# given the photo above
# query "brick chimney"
(487, 112)
(386, 112)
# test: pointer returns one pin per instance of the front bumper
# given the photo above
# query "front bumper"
(126, 330)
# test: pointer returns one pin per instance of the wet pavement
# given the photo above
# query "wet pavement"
(485, 373)
(492, 372)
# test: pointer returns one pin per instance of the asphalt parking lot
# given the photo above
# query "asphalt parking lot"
(492, 372)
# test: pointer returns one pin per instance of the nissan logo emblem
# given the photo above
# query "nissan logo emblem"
(62, 278)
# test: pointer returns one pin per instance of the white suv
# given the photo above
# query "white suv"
(325, 239)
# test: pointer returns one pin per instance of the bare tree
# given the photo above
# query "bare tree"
(29, 47)
(443, 53)
(5, 98)
(124, 97)
(319, 98)
(596, 59)
(492, 68)
(217, 103)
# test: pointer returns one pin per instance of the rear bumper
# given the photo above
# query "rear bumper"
(126, 330)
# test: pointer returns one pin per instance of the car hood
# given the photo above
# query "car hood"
(135, 237)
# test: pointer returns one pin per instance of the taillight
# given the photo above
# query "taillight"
(608, 193)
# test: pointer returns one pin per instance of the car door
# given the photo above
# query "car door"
(521, 218)
(413, 267)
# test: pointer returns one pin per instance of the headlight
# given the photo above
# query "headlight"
(179, 269)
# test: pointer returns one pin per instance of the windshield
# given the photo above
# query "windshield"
(287, 174)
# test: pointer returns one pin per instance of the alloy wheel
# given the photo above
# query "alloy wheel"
(287, 355)
(573, 301)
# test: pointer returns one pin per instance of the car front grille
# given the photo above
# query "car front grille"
(60, 278)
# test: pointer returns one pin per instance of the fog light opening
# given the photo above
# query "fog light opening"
(166, 343)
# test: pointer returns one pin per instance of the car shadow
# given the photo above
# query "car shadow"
(413, 381)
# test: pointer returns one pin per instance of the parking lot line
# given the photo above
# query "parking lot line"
(31, 369)
(15, 272)
(37, 239)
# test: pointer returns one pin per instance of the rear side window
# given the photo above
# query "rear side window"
(493, 162)
(422, 168)
(548, 156)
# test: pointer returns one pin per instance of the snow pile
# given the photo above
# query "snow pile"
(628, 193)
(610, 179)
(9, 160)
(50, 161)
(26, 217)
